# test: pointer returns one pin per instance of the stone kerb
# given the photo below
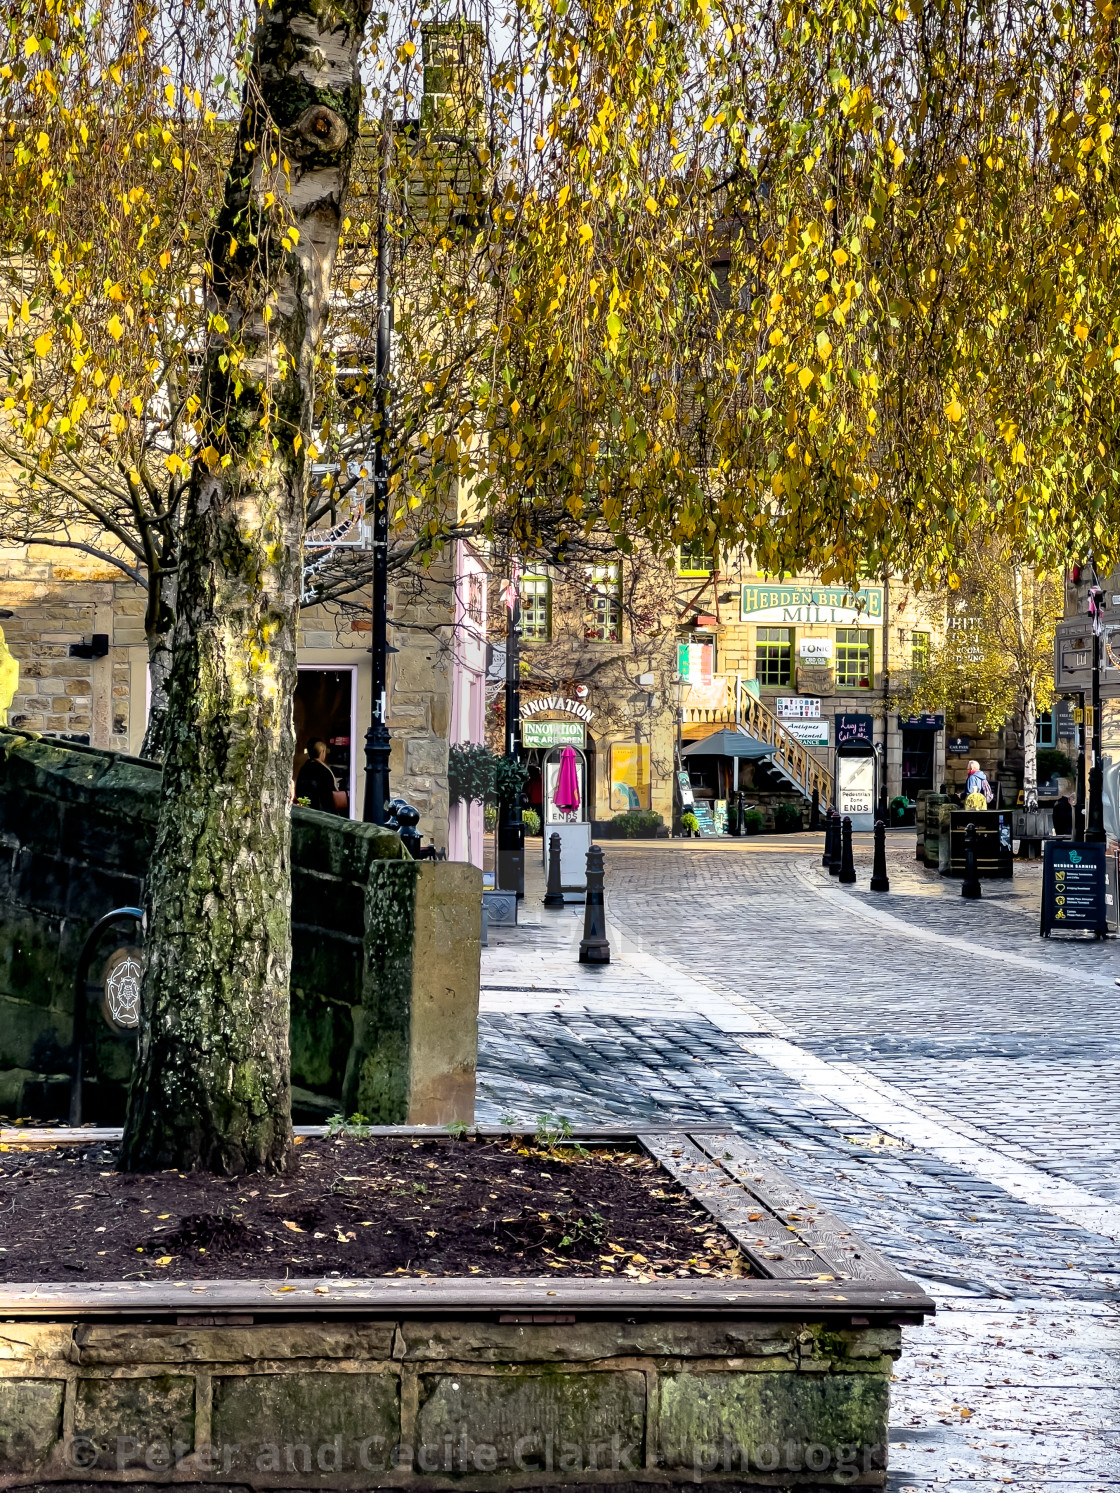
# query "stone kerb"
(76, 831)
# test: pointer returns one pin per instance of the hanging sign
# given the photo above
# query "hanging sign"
(1075, 888)
(686, 789)
(798, 707)
(959, 746)
(539, 733)
(557, 702)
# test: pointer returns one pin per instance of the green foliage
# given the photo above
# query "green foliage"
(689, 823)
(531, 820)
(753, 822)
(510, 777)
(354, 1128)
(1053, 763)
(551, 1129)
(787, 819)
(637, 824)
(470, 772)
(490, 818)
(457, 1128)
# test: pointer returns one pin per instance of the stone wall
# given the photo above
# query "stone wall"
(510, 1402)
(76, 829)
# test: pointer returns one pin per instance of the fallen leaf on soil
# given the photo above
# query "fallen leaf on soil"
(295, 1228)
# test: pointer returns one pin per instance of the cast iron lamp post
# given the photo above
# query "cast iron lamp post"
(377, 737)
(510, 859)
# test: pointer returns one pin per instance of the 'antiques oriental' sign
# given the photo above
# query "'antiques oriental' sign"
(831, 605)
(557, 702)
(538, 733)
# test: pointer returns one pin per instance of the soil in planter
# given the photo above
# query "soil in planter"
(359, 1207)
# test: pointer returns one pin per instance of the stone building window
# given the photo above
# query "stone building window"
(853, 658)
(536, 608)
(604, 603)
(693, 560)
(919, 650)
(773, 655)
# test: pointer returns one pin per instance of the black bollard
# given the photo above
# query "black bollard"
(970, 886)
(826, 858)
(834, 860)
(594, 948)
(880, 882)
(847, 864)
(553, 896)
(815, 812)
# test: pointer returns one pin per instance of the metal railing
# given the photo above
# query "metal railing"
(742, 708)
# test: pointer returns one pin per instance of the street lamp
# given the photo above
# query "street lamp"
(1094, 828)
(377, 737)
(510, 858)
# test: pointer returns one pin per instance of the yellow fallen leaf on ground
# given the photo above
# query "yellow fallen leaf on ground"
(295, 1228)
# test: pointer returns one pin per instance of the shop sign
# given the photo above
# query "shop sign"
(831, 605)
(686, 789)
(538, 733)
(798, 707)
(557, 702)
(695, 662)
(959, 746)
(808, 733)
(855, 730)
(815, 650)
(924, 722)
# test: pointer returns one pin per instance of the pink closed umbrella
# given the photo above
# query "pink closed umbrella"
(566, 797)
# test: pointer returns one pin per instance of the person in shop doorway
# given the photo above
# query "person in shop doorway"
(316, 782)
(1063, 818)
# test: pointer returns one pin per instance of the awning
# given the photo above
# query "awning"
(728, 744)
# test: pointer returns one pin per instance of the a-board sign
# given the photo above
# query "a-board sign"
(1076, 888)
(994, 854)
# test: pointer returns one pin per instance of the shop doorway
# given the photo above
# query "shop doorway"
(917, 760)
(326, 705)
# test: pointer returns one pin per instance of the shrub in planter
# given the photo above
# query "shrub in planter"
(1051, 763)
(510, 777)
(752, 822)
(787, 819)
(690, 824)
(637, 824)
(531, 820)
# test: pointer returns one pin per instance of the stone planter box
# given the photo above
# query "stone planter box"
(776, 1381)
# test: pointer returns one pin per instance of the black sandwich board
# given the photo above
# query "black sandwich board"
(995, 860)
(1078, 886)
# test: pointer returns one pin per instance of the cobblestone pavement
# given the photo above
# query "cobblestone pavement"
(930, 1069)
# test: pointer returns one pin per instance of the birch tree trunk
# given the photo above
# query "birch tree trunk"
(1030, 751)
(212, 1088)
(159, 627)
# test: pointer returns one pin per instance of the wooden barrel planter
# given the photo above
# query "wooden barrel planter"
(776, 1380)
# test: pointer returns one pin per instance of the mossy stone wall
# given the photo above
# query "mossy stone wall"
(76, 831)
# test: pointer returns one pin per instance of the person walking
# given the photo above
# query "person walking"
(977, 782)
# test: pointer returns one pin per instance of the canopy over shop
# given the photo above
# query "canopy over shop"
(713, 769)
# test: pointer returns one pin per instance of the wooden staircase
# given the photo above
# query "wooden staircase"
(791, 761)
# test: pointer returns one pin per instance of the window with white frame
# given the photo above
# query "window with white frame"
(604, 603)
(536, 608)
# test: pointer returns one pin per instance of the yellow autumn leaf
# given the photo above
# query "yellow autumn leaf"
(288, 1224)
(805, 378)
(953, 410)
(43, 344)
(585, 232)
(115, 327)
(164, 1260)
(1081, 331)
